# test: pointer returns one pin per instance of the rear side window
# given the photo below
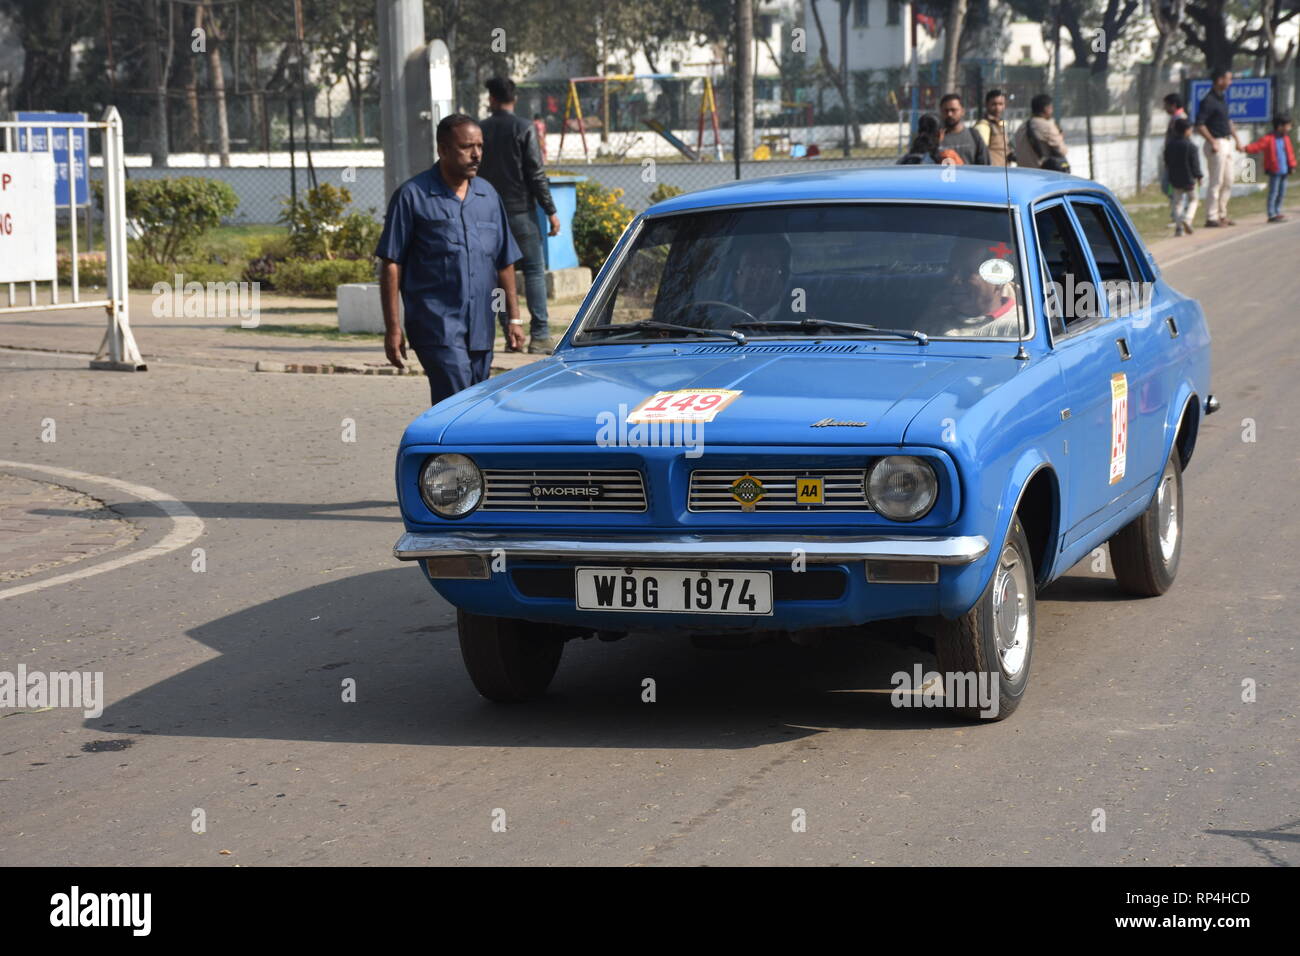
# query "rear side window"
(1069, 296)
(1120, 277)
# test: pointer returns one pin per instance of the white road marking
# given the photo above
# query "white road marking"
(1272, 229)
(186, 526)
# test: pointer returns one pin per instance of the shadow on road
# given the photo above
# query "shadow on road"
(281, 664)
(1077, 587)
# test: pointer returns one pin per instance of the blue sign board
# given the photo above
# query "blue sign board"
(66, 170)
(1249, 100)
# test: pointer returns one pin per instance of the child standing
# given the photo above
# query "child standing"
(1279, 162)
(1183, 167)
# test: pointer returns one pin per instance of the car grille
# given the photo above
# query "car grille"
(517, 490)
(844, 489)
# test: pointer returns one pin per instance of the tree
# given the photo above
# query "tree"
(744, 132)
(953, 25)
(1168, 17)
(348, 38)
(218, 76)
(1222, 30)
(839, 76)
(47, 30)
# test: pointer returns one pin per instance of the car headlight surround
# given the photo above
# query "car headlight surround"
(451, 485)
(902, 487)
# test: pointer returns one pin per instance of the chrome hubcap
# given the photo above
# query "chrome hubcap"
(1167, 505)
(1011, 611)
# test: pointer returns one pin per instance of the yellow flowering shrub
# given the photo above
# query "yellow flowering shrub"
(598, 222)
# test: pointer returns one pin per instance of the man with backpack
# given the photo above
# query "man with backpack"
(1039, 143)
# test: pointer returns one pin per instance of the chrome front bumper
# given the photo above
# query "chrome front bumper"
(733, 549)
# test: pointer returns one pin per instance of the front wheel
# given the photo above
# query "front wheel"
(1145, 552)
(508, 660)
(992, 643)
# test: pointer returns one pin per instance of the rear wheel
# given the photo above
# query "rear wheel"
(994, 639)
(1146, 551)
(508, 660)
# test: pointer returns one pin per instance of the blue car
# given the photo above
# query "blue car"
(818, 401)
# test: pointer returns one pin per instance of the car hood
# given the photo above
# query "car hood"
(565, 401)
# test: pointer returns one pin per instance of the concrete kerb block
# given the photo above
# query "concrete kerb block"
(359, 307)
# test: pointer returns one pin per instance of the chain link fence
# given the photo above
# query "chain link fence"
(638, 133)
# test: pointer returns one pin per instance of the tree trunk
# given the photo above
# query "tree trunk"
(745, 68)
(357, 89)
(838, 77)
(1166, 27)
(192, 89)
(158, 84)
(951, 42)
(218, 75)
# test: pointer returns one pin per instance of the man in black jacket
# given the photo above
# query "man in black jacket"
(512, 163)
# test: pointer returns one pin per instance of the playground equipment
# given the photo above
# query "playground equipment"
(573, 110)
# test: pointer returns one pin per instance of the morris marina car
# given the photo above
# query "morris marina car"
(818, 401)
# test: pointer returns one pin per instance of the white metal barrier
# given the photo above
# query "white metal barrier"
(117, 350)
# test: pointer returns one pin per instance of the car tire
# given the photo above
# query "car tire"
(508, 660)
(995, 638)
(1146, 551)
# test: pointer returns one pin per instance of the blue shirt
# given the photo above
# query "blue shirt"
(449, 250)
(1283, 163)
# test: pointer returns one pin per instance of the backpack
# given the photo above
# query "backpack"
(1057, 164)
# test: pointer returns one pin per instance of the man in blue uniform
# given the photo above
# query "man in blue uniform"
(446, 247)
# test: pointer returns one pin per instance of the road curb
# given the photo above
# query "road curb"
(332, 368)
(337, 368)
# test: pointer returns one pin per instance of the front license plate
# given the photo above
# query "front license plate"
(674, 590)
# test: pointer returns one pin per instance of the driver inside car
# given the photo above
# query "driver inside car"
(968, 303)
(760, 269)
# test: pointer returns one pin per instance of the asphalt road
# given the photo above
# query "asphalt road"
(223, 685)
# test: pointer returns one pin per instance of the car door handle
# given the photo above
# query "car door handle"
(1173, 326)
(1124, 353)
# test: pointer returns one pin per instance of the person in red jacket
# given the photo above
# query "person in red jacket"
(1279, 162)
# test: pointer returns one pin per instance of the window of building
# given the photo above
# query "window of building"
(860, 8)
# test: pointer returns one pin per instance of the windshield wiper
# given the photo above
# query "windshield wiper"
(810, 324)
(737, 337)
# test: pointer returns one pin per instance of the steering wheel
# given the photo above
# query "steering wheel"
(725, 305)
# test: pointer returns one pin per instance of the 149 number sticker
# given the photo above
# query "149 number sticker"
(683, 405)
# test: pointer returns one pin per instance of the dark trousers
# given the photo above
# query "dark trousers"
(452, 368)
(523, 226)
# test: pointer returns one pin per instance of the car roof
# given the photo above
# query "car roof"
(928, 182)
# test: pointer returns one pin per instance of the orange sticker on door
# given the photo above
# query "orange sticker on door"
(1118, 425)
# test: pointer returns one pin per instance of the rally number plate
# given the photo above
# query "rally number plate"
(674, 590)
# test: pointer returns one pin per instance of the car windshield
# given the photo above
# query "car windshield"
(943, 270)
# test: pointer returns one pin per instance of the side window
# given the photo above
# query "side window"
(1070, 298)
(1120, 277)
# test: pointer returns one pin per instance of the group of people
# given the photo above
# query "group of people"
(1182, 173)
(451, 238)
(947, 139)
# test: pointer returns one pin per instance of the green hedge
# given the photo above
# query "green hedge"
(319, 277)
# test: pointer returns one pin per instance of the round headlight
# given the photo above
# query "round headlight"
(902, 487)
(451, 485)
